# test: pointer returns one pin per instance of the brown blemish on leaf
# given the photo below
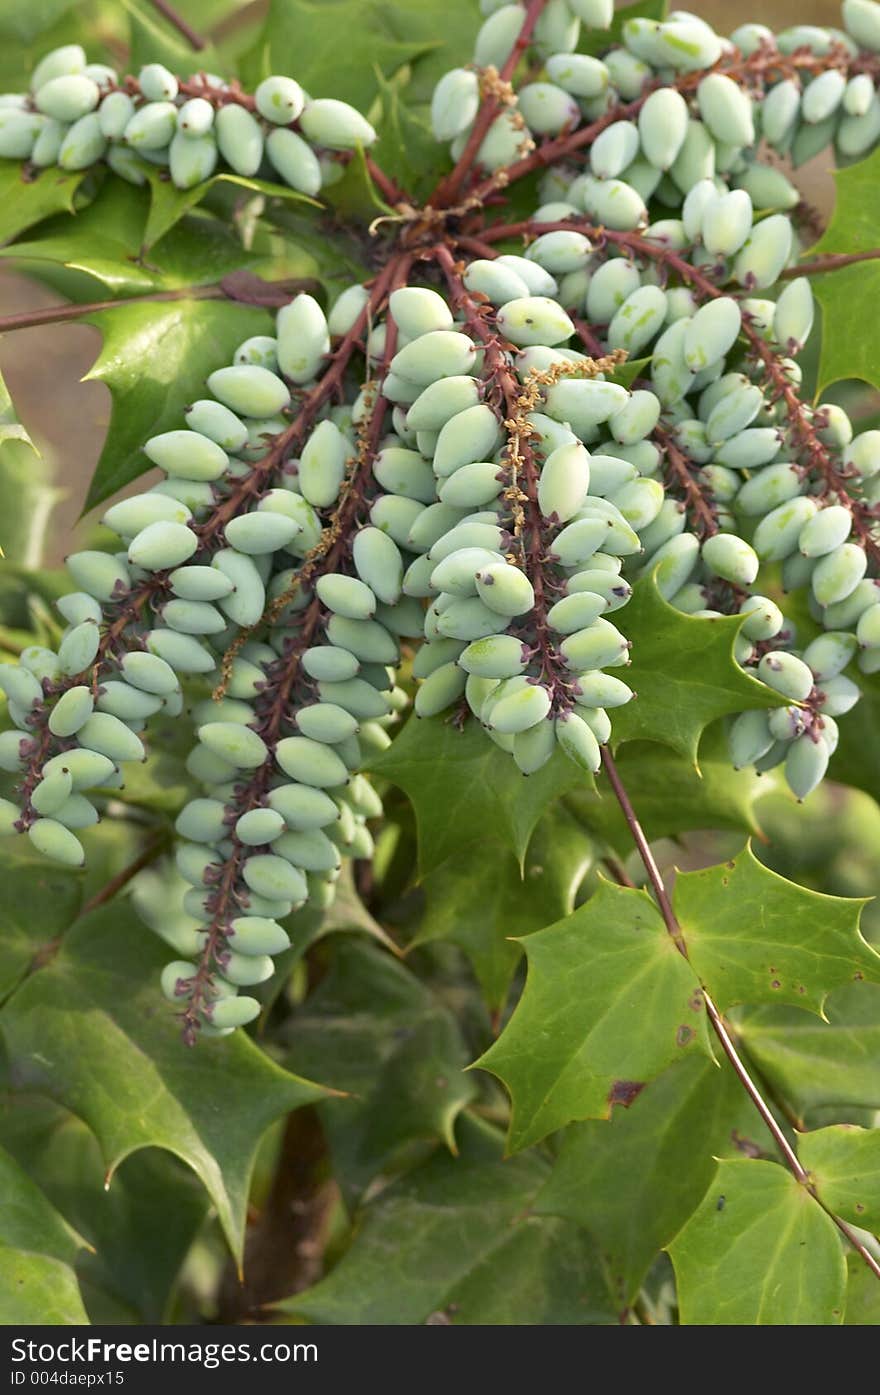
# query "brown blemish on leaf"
(746, 1146)
(684, 1035)
(624, 1092)
(774, 983)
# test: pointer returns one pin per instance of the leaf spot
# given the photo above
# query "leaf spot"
(684, 1035)
(624, 1092)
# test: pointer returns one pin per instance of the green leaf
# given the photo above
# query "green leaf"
(844, 1166)
(862, 1293)
(449, 1243)
(37, 1252)
(132, 1261)
(91, 1032)
(25, 487)
(634, 1180)
(609, 1003)
(671, 796)
(318, 31)
(848, 294)
(857, 758)
(153, 40)
(374, 1031)
(461, 784)
(169, 204)
(182, 341)
(24, 202)
(480, 898)
(683, 673)
(21, 24)
(754, 937)
(814, 1064)
(39, 900)
(759, 1251)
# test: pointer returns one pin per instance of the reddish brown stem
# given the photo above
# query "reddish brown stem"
(153, 849)
(58, 314)
(830, 261)
(767, 63)
(273, 708)
(803, 431)
(180, 24)
(390, 191)
(701, 508)
(718, 1026)
(449, 189)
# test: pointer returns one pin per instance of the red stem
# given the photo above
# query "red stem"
(766, 63)
(282, 678)
(193, 39)
(58, 314)
(449, 189)
(803, 430)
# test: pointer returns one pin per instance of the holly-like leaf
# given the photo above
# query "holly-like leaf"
(461, 785)
(609, 1003)
(671, 796)
(24, 202)
(132, 1263)
(91, 1032)
(450, 1243)
(182, 341)
(634, 1180)
(857, 758)
(374, 1031)
(844, 1166)
(314, 30)
(754, 937)
(25, 487)
(153, 40)
(759, 1251)
(848, 294)
(37, 1251)
(814, 1064)
(683, 672)
(169, 204)
(480, 898)
(38, 900)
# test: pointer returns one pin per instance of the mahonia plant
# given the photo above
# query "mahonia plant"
(564, 406)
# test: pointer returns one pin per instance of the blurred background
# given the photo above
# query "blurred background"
(44, 367)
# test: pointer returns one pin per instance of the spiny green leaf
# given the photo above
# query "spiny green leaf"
(849, 294)
(844, 1166)
(462, 785)
(683, 672)
(91, 1032)
(450, 1242)
(24, 202)
(133, 1261)
(373, 1030)
(168, 204)
(609, 1003)
(37, 1252)
(759, 1251)
(633, 1180)
(25, 488)
(182, 341)
(671, 796)
(754, 937)
(38, 900)
(314, 30)
(21, 24)
(480, 898)
(814, 1064)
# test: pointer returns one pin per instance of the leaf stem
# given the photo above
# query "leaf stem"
(718, 1026)
(168, 12)
(148, 854)
(829, 261)
(226, 289)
